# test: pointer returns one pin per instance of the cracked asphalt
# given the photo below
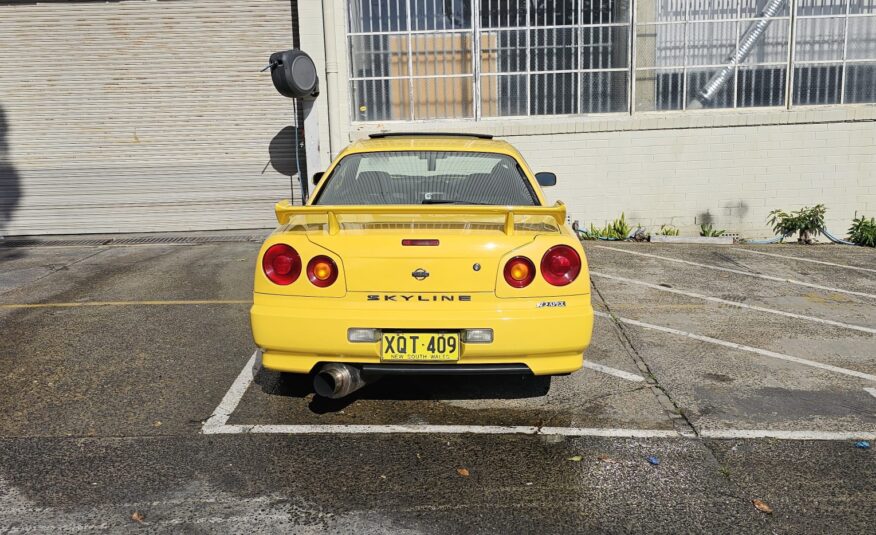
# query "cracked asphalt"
(113, 357)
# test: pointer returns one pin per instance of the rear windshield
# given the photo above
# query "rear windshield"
(427, 177)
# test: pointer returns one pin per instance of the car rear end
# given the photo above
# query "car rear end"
(519, 301)
(404, 288)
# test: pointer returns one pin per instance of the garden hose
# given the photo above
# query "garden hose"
(834, 239)
(778, 239)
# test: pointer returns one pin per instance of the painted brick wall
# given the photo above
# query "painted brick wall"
(731, 176)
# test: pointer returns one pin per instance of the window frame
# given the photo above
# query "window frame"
(843, 61)
(474, 30)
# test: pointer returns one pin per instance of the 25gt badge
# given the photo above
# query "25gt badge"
(551, 304)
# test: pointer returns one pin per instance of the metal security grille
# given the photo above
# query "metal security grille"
(473, 59)
(426, 59)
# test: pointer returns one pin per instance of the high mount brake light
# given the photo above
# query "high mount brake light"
(519, 272)
(322, 271)
(419, 243)
(281, 264)
(560, 265)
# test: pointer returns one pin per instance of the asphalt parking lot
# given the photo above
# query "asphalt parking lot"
(130, 384)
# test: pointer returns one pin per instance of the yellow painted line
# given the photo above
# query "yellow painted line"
(126, 303)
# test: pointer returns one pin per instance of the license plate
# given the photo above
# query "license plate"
(422, 347)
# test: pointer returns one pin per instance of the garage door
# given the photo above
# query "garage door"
(142, 116)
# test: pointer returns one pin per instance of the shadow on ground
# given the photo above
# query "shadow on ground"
(407, 388)
(9, 253)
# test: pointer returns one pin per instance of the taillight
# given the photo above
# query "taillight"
(519, 272)
(322, 271)
(560, 265)
(281, 264)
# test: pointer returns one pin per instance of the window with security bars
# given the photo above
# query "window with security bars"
(835, 52)
(471, 59)
(426, 59)
(716, 54)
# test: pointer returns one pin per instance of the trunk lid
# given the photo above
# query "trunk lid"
(460, 263)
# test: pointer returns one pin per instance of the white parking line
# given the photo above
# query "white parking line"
(741, 347)
(445, 429)
(805, 260)
(532, 430)
(871, 391)
(613, 371)
(231, 399)
(735, 304)
(740, 272)
(217, 424)
(788, 435)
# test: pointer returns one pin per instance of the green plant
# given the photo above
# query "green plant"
(863, 231)
(709, 232)
(808, 222)
(590, 234)
(667, 230)
(618, 229)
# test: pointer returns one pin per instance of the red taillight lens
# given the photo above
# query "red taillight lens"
(560, 265)
(281, 264)
(519, 272)
(322, 271)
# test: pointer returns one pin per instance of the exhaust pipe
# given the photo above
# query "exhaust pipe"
(335, 380)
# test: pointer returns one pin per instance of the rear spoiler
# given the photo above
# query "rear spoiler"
(286, 210)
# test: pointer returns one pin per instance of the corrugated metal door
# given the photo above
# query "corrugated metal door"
(142, 116)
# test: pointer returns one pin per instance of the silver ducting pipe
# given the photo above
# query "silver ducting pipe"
(752, 35)
(335, 380)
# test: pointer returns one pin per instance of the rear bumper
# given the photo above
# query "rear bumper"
(297, 333)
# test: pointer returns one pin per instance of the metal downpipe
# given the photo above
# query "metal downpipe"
(331, 75)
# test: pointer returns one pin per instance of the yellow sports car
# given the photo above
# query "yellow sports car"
(422, 254)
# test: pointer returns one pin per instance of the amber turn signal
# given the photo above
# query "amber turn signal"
(519, 272)
(322, 271)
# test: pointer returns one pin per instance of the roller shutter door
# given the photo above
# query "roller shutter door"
(142, 116)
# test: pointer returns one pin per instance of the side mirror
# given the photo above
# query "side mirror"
(546, 179)
(317, 177)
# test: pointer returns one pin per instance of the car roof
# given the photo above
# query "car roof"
(440, 142)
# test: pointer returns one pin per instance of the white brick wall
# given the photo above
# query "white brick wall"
(675, 169)
(734, 175)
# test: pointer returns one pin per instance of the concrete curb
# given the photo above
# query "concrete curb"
(721, 240)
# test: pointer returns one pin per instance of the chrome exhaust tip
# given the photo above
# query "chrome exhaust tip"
(335, 380)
